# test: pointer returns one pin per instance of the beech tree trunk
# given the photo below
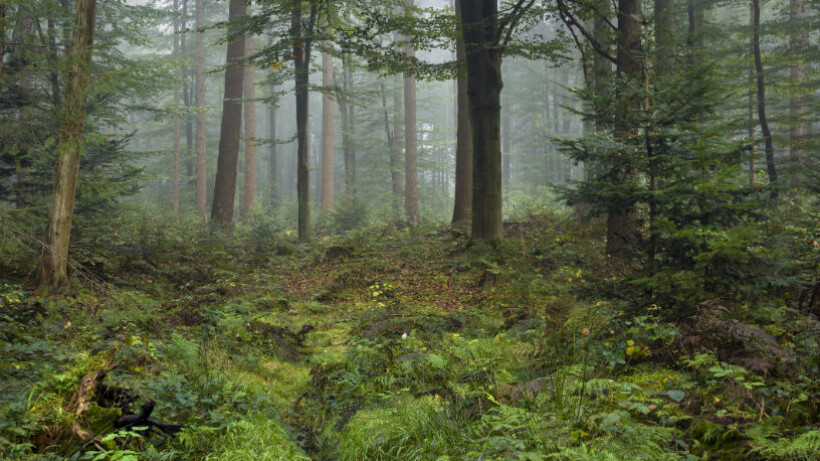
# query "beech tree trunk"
(177, 82)
(621, 222)
(464, 138)
(201, 122)
(328, 134)
(61, 213)
(249, 90)
(771, 168)
(411, 177)
(226, 168)
(483, 56)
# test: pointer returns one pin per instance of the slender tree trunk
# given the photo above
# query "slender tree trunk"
(411, 177)
(201, 122)
(761, 102)
(249, 90)
(328, 134)
(395, 159)
(798, 68)
(188, 95)
(621, 222)
(3, 42)
(464, 137)
(301, 54)
(61, 213)
(273, 164)
(177, 82)
(752, 89)
(505, 152)
(231, 128)
(484, 84)
(348, 134)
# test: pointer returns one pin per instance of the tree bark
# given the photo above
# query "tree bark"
(395, 154)
(348, 126)
(177, 82)
(771, 168)
(226, 168)
(249, 90)
(328, 134)
(621, 222)
(411, 177)
(273, 163)
(301, 59)
(483, 56)
(464, 138)
(664, 36)
(752, 89)
(201, 122)
(61, 213)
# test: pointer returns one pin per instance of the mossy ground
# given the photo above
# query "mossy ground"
(385, 344)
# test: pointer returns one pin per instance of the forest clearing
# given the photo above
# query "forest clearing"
(409, 230)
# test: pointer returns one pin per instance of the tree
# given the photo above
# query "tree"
(201, 122)
(485, 38)
(327, 128)
(178, 79)
(771, 168)
(61, 213)
(301, 36)
(249, 90)
(411, 176)
(621, 225)
(798, 68)
(226, 167)
(464, 140)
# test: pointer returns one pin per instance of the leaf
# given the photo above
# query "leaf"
(676, 395)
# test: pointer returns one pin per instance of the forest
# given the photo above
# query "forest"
(410, 230)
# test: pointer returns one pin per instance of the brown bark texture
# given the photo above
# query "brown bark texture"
(201, 122)
(226, 167)
(328, 133)
(464, 137)
(70, 146)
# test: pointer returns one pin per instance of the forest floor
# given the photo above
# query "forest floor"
(383, 344)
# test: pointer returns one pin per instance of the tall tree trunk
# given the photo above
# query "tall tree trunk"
(348, 134)
(188, 95)
(464, 138)
(771, 168)
(483, 56)
(798, 43)
(411, 177)
(273, 163)
(201, 122)
(621, 223)
(395, 154)
(328, 134)
(752, 89)
(664, 36)
(301, 54)
(249, 90)
(61, 213)
(231, 127)
(3, 42)
(177, 82)
(505, 152)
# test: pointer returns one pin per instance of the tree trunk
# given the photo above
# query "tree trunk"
(348, 134)
(483, 56)
(201, 122)
(328, 134)
(664, 36)
(230, 130)
(249, 90)
(621, 222)
(798, 43)
(177, 82)
(61, 213)
(771, 168)
(301, 59)
(273, 164)
(396, 166)
(752, 124)
(464, 137)
(411, 177)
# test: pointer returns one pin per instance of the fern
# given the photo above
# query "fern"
(804, 447)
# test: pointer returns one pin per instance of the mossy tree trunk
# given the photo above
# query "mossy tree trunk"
(61, 213)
